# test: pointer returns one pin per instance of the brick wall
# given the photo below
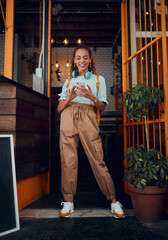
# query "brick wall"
(102, 57)
(103, 63)
(2, 50)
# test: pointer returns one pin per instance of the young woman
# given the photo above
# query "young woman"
(78, 121)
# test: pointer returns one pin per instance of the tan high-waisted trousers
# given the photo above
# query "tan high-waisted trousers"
(78, 121)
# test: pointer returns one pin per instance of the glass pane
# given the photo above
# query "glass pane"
(157, 8)
(147, 17)
(151, 143)
(166, 11)
(2, 38)
(157, 64)
(163, 138)
(149, 67)
(140, 134)
(26, 41)
(153, 15)
(129, 33)
(148, 21)
(157, 136)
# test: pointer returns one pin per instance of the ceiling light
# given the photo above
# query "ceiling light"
(65, 41)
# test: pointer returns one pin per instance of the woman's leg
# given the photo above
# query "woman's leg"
(68, 152)
(69, 166)
(92, 144)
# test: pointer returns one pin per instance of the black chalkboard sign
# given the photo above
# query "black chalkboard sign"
(9, 218)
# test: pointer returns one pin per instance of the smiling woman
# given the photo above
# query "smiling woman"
(77, 116)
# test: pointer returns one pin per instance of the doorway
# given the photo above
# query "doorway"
(98, 25)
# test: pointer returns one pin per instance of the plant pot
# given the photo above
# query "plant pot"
(148, 203)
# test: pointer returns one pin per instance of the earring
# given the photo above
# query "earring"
(74, 65)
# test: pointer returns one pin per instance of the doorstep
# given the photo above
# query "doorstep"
(54, 213)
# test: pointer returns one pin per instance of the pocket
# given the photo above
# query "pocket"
(98, 149)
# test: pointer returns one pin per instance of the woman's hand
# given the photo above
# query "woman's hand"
(63, 103)
(72, 93)
(87, 93)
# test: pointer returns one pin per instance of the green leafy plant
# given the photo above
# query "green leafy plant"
(145, 166)
(139, 101)
(31, 60)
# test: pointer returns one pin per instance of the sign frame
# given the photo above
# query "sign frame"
(15, 201)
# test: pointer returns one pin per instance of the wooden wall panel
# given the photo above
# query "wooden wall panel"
(7, 123)
(7, 90)
(25, 113)
(7, 106)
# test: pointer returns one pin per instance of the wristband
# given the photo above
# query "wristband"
(94, 100)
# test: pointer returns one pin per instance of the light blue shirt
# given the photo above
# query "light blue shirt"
(92, 82)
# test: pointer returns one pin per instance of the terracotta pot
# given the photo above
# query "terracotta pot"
(148, 203)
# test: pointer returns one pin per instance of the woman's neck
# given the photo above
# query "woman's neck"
(82, 73)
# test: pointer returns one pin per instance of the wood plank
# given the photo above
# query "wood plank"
(31, 153)
(7, 90)
(32, 98)
(7, 123)
(31, 139)
(7, 106)
(31, 125)
(29, 169)
(31, 110)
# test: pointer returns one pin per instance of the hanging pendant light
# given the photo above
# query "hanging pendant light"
(57, 65)
(52, 40)
(65, 41)
(67, 64)
(79, 40)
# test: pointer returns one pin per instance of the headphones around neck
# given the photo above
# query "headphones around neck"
(87, 75)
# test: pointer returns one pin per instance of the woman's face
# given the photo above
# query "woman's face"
(82, 60)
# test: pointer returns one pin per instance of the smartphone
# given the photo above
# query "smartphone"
(79, 84)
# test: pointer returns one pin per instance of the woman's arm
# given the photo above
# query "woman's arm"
(100, 105)
(63, 103)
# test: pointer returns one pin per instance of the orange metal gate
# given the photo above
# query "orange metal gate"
(144, 61)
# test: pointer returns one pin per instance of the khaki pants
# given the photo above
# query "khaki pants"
(78, 121)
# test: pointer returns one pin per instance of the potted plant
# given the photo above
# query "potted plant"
(147, 169)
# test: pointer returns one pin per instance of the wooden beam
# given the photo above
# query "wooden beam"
(49, 85)
(8, 59)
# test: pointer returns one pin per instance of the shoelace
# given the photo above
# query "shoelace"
(64, 203)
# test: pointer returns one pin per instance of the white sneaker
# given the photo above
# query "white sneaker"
(68, 208)
(116, 209)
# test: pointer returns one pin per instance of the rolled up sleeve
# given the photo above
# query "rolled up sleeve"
(102, 93)
(63, 95)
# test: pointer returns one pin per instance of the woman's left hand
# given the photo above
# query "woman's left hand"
(87, 93)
